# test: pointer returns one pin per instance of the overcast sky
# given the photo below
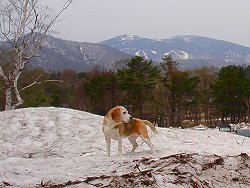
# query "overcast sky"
(98, 20)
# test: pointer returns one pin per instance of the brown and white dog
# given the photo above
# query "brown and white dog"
(118, 124)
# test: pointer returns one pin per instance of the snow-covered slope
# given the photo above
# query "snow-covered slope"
(47, 146)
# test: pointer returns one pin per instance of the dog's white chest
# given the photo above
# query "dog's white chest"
(111, 132)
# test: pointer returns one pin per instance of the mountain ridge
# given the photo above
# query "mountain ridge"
(189, 50)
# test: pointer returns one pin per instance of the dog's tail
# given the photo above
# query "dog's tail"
(152, 127)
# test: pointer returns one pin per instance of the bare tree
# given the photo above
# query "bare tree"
(24, 25)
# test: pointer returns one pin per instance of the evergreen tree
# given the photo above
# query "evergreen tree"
(100, 90)
(138, 80)
(180, 91)
(229, 92)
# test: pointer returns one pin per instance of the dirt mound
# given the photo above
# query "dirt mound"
(185, 170)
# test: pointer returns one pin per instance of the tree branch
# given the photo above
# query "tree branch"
(47, 27)
(2, 73)
(37, 83)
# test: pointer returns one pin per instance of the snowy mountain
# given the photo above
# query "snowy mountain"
(189, 51)
(56, 147)
(58, 54)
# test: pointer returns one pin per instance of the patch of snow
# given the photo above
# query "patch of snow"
(129, 37)
(142, 54)
(184, 55)
(186, 38)
(180, 54)
(56, 144)
(231, 56)
(154, 52)
(137, 53)
(145, 55)
(200, 128)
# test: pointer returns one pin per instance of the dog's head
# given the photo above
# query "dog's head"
(120, 114)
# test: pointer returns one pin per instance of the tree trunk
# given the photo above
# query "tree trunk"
(247, 101)
(8, 99)
(18, 96)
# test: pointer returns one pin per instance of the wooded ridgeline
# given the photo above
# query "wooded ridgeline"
(163, 94)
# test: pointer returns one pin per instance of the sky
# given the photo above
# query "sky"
(98, 20)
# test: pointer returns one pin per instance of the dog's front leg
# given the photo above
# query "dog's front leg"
(108, 143)
(119, 145)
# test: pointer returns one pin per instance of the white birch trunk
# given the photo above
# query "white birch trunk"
(8, 99)
(18, 96)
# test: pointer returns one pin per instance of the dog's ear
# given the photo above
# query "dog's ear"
(115, 115)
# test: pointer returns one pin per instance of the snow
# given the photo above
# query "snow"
(184, 55)
(55, 144)
(186, 38)
(129, 37)
(145, 55)
(154, 52)
(81, 49)
(142, 53)
(180, 54)
(137, 53)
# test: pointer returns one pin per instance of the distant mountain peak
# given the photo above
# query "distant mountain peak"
(186, 38)
(126, 37)
(130, 36)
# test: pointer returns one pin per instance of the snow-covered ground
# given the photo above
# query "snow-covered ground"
(40, 147)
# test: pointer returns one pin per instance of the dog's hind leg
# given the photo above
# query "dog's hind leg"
(132, 140)
(147, 141)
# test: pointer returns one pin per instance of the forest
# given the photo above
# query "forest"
(164, 94)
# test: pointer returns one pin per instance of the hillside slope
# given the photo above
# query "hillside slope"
(50, 146)
(58, 54)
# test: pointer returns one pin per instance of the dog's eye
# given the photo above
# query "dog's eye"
(124, 112)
